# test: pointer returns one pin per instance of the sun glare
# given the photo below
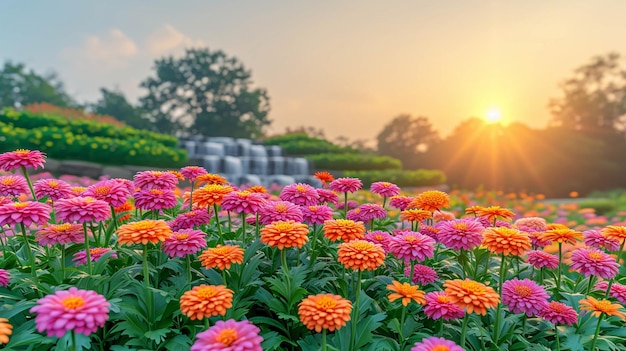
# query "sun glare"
(493, 115)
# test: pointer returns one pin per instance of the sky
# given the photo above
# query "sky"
(347, 67)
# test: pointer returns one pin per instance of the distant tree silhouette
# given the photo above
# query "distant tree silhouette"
(406, 138)
(20, 87)
(114, 103)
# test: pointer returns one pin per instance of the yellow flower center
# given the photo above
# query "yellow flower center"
(523, 290)
(73, 302)
(595, 255)
(97, 250)
(357, 210)
(385, 184)
(443, 299)
(405, 289)
(156, 192)
(281, 208)
(604, 306)
(283, 226)
(440, 348)
(221, 250)
(89, 200)
(102, 190)
(227, 337)
(378, 237)
(362, 245)
(53, 184)
(410, 238)
(473, 287)
(313, 208)
(460, 226)
(156, 173)
(143, 225)
(325, 303)
(301, 188)
(22, 152)
(20, 204)
(8, 181)
(182, 236)
(206, 292)
(61, 227)
(243, 194)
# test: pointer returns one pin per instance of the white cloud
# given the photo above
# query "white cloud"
(168, 40)
(111, 51)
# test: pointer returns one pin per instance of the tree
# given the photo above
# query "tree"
(205, 92)
(594, 98)
(19, 87)
(407, 137)
(114, 103)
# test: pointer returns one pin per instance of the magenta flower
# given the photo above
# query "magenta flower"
(184, 242)
(412, 246)
(155, 199)
(22, 158)
(192, 172)
(385, 189)
(434, 343)
(531, 224)
(300, 194)
(558, 313)
(191, 219)
(438, 305)
(422, 275)
(524, 296)
(279, 211)
(5, 200)
(316, 214)
(541, 259)
(13, 185)
(327, 197)
(400, 202)
(82, 209)
(372, 211)
(594, 262)
(5, 277)
(379, 237)
(243, 202)
(351, 204)
(60, 234)
(55, 189)
(155, 180)
(460, 234)
(593, 238)
(355, 215)
(112, 192)
(229, 335)
(129, 184)
(346, 185)
(537, 240)
(83, 311)
(26, 213)
(484, 220)
(618, 291)
(429, 230)
(95, 254)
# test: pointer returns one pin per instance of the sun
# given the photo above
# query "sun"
(493, 115)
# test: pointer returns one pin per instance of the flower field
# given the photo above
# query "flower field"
(182, 260)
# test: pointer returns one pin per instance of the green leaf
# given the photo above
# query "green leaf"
(157, 335)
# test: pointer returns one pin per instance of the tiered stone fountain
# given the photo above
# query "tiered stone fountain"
(243, 161)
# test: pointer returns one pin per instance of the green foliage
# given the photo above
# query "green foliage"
(23, 87)
(601, 206)
(402, 178)
(114, 103)
(354, 162)
(299, 144)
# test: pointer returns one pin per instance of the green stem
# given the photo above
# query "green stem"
(595, 336)
(257, 228)
(283, 260)
(412, 272)
(146, 279)
(324, 340)
(345, 207)
(556, 335)
(73, 346)
(30, 184)
(87, 252)
(619, 254)
(464, 329)
(188, 260)
(230, 223)
(114, 218)
(496, 329)
(191, 196)
(558, 276)
(502, 273)
(384, 201)
(355, 320)
(224, 278)
(402, 317)
(219, 227)
(29, 252)
(524, 318)
(62, 263)
(440, 328)
(591, 280)
(243, 228)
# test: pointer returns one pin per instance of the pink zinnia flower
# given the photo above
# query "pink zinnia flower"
(372, 211)
(541, 259)
(129, 184)
(316, 214)
(184, 242)
(60, 234)
(26, 213)
(355, 215)
(618, 291)
(112, 192)
(537, 239)
(434, 343)
(422, 275)
(385, 189)
(95, 254)
(443, 216)
(558, 313)
(438, 305)
(351, 205)
(594, 262)
(487, 223)
(429, 230)
(300, 194)
(21, 158)
(593, 238)
(346, 185)
(155, 180)
(83, 311)
(279, 211)
(412, 246)
(155, 199)
(243, 202)
(229, 336)
(524, 296)
(531, 224)
(5, 277)
(400, 202)
(460, 234)
(82, 209)
(55, 189)
(13, 185)
(191, 219)
(5, 200)
(192, 172)
(327, 197)
(379, 237)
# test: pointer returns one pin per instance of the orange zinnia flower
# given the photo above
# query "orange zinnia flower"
(473, 210)
(211, 178)
(6, 329)
(324, 177)
(143, 232)
(324, 311)
(406, 292)
(285, 234)
(361, 255)
(614, 232)
(507, 241)
(561, 235)
(257, 189)
(221, 257)
(415, 215)
(210, 194)
(206, 301)
(432, 201)
(471, 295)
(493, 212)
(597, 307)
(125, 207)
(552, 226)
(343, 229)
(177, 174)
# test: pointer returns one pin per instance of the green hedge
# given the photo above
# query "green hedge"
(60, 143)
(28, 120)
(301, 144)
(354, 162)
(402, 178)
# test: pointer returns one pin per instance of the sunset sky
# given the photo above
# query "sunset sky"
(345, 66)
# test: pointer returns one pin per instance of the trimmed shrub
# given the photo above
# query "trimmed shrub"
(402, 178)
(301, 144)
(354, 162)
